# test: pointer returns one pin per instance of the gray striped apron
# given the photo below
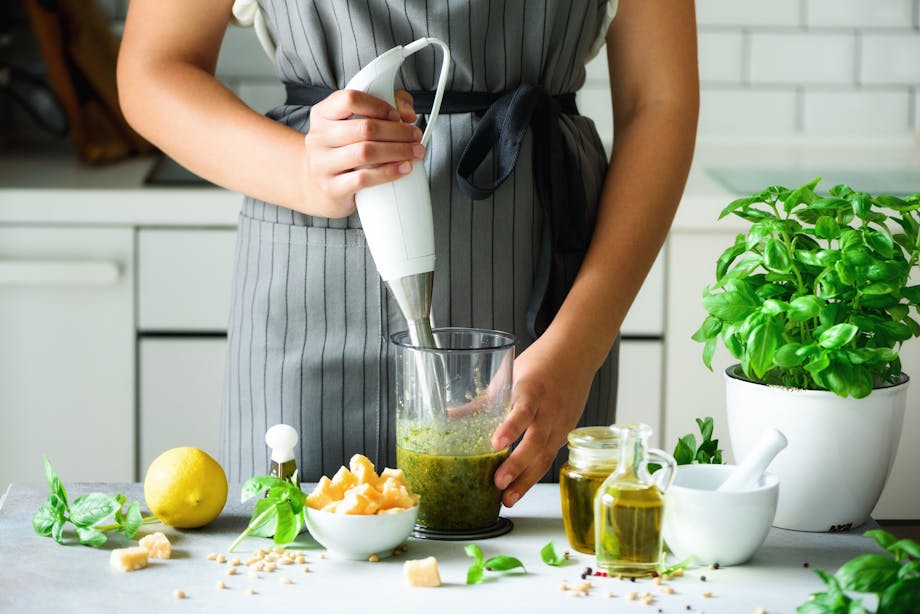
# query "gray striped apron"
(310, 320)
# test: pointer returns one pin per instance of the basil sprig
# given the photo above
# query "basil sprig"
(475, 575)
(686, 451)
(278, 514)
(84, 513)
(894, 577)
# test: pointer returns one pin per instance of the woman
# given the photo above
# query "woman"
(309, 320)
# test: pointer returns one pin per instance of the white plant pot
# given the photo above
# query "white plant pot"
(839, 454)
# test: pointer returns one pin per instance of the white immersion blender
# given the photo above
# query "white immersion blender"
(397, 219)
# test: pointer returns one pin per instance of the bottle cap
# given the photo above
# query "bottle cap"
(281, 438)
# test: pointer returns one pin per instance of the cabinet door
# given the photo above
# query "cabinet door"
(184, 279)
(181, 384)
(691, 390)
(639, 388)
(66, 353)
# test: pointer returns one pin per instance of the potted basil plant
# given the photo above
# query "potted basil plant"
(814, 301)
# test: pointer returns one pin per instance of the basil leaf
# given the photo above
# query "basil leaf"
(133, 520)
(54, 483)
(256, 486)
(837, 336)
(551, 555)
(867, 573)
(730, 306)
(474, 551)
(685, 451)
(92, 508)
(43, 520)
(286, 529)
(904, 548)
(502, 563)
(265, 527)
(57, 530)
(705, 425)
(474, 574)
(90, 536)
(902, 596)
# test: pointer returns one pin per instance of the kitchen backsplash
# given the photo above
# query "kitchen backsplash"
(767, 67)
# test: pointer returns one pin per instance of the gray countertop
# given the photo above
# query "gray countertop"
(41, 576)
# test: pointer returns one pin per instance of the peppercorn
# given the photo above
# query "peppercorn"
(703, 578)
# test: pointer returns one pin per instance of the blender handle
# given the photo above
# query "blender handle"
(663, 480)
(416, 46)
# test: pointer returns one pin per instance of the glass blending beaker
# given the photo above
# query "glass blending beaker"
(629, 506)
(446, 452)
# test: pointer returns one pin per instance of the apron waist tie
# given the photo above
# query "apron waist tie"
(506, 117)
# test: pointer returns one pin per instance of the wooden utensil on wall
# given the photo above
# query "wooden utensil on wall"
(80, 54)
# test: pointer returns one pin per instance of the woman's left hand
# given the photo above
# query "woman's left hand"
(551, 387)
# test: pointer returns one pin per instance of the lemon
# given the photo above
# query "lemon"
(185, 488)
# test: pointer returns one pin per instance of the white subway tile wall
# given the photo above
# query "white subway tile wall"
(802, 57)
(748, 111)
(743, 13)
(721, 56)
(862, 112)
(890, 58)
(821, 67)
(864, 13)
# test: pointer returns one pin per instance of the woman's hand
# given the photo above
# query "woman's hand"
(551, 386)
(344, 153)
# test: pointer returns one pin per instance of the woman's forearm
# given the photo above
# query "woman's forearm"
(185, 111)
(641, 193)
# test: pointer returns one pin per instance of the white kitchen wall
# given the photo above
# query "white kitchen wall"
(822, 67)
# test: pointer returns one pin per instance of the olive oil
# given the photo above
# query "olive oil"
(629, 506)
(629, 528)
(592, 457)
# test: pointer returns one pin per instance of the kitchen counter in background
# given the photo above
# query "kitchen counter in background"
(43, 187)
(42, 576)
(172, 249)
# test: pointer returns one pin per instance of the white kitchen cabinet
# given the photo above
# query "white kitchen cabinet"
(66, 353)
(181, 386)
(691, 390)
(184, 278)
(639, 388)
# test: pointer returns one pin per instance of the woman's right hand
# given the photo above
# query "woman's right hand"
(356, 140)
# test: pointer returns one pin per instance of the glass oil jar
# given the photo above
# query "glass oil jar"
(629, 506)
(593, 455)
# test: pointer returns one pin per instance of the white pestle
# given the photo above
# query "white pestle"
(747, 474)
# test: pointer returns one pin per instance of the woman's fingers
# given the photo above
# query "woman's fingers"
(343, 104)
(404, 106)
(526, 465)
(366, 153)
(346, 184)
(344, 132)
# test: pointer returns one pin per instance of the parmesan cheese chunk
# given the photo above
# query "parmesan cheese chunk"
(128, 559)
(422, 572)
(157, 546)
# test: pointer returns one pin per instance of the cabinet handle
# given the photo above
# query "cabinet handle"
(58, 273)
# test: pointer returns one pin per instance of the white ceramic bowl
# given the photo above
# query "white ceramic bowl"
(356, 537)
(717, 527)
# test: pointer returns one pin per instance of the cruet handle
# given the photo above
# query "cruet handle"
(664, 476)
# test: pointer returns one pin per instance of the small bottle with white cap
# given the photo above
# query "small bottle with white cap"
(282, 438)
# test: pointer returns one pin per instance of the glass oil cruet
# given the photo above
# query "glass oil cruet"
(629, 506)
